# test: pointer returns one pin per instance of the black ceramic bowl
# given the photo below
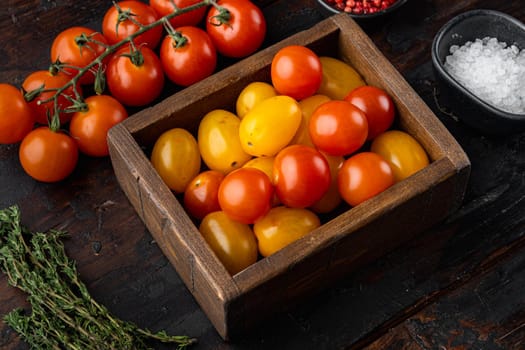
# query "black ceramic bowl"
(332, 10)
(468, 26)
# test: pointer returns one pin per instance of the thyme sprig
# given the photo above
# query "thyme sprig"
(63, 313)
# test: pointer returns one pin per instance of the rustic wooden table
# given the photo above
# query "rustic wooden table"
(457, 286)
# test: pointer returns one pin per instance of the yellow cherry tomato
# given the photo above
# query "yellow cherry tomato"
(176, 158)
(252, 94)
(308, 106)
(233, 243)
(282, 226)
(262, 163)
(404, 154)
(339, 78)
(270, 126)
(219, 142)
(332, 198)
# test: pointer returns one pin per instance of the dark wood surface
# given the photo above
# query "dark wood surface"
(458, 286)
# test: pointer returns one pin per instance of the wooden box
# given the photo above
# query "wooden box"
(347, 241)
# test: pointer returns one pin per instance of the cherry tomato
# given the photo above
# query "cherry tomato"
(43, 79)
(332, 198)
(270, 126)
(231, 241)
(201, 196)
(238, 29)
(16, 117)
(191, 18)
(135, 83)
(90, 127)
(245, 195)
(48, 156)
(262, 163)
(339, 78)
(189, 57)
(338, 128)
(219, 142)
(404, 154)
(377, 106)
(78, 47)
(308, 106)
(296, 71)
(116, 30)
(251, 95)
(301, 176)
(363, 176)
(282, 226)
(176, 158)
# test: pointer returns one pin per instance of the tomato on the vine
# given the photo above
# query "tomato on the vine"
(301, 176)
(338, 128)
(282, 226)
(16, 117)
(296, 71)
(362, 176)
(237, 28)
(245, 194)
(201, 196)
(175, 157)
(135, 77)
(377, 106)
(191, 18)
(90, 127)
(44, 80)
(188, 55)
(76, 47)
(117, 27)
(232, 242)
(404, 154)
(47, 155)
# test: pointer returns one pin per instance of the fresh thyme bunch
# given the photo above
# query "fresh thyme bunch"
(63, 313)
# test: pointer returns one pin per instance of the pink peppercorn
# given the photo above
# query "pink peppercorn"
(359, 7)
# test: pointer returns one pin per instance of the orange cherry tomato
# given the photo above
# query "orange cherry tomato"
(78, 47)
(363, 176)
(282, 226)
(48, 156)
(231, 241)
(245, 194)
(16, 117)
(201, 196)
(43, 79)
(90, 128)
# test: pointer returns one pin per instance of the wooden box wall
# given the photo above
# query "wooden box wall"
(355, 237)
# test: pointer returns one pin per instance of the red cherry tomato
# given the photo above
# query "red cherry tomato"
(246, 194)
(16, 117)
(135, 83)
(296, 71)
(188, 58)
(115, 30)
(338, 128)
(48, 156)
(43, 79)
(237, 31)
(301, 176)
(78, 47)
(191, 18)
(363, 176)
(90, 128)
(201, 196)
(377, 106)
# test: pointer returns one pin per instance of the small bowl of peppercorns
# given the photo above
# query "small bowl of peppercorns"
(362, 9)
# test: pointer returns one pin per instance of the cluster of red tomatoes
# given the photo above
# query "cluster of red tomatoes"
(138, 45)
(314, 137)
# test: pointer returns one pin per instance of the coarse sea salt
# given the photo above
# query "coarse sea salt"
(492, 71)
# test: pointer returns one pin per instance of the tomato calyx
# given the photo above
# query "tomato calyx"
(124, 15)
(223, 17)
(135, 55)
(178, 40)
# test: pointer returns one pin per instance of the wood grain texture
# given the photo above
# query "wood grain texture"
(125, 269)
